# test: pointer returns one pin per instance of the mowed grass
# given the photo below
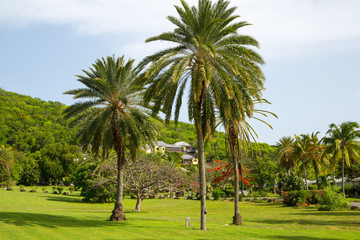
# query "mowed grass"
(25, 215)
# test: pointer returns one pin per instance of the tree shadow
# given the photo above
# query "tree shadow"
(330, 213)
(51, 221)
(300, 238)
(64, 199)
(323, 222)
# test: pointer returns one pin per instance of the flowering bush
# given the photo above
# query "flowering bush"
(302, 197)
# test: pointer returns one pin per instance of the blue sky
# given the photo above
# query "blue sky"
(311, 49)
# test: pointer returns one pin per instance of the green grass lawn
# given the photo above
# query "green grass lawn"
(25, 215)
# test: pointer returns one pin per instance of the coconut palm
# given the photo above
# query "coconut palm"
(342, 143)
(111, 115)
(308, 151)
(209, 59)
(285, 152)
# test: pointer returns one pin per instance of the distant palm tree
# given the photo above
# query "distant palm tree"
(285, 152)
(111, 116)
(210, 59)
(342, 143)
(308, 151)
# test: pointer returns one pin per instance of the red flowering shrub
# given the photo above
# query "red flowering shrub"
(302, 197)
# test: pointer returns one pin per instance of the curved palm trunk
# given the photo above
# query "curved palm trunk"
(200, 143)
(237, 219)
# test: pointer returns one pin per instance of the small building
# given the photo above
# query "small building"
(180, 147)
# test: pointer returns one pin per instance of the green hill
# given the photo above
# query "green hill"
(29, 124)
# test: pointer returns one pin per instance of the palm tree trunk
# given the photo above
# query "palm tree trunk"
(200, 143)
(237, 219)
(118, 212)
(306, 185)
(343, 174)
(241, 179)
(119, 146)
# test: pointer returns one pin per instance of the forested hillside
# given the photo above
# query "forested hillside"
(29, 124)
(39, 145)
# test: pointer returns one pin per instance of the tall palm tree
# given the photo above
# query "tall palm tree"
(285, 152)
(111, 115)
(342, 143)
(239, 133)
(209, 59)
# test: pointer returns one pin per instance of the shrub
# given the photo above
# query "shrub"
(229, 192)
(60, 189)
(331, 200)
(302, 197)
(291, 182)
(350, 190)
(217, 193)
(257, 194)
(313, 187)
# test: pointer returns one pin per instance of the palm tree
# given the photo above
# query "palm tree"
(342, 143)
(232, 117)
(285, 152)
(308, 151)
(210, 59)
(111, 115)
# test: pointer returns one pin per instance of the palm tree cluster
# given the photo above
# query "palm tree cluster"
(307, 151)
(210, 61)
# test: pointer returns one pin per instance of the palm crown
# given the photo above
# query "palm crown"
(210, 57)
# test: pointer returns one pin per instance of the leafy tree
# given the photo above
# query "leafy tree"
(342, 144)
(111, 115)
(212, 60)
(149, 175)
(291, 182)
(30, 174)
(6, 163)
(262, 170)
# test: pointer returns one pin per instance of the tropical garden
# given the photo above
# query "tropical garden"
(92, 151)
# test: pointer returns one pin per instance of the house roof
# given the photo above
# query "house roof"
(356, 179)
(161, 144)
(180, 144)
(186, 156)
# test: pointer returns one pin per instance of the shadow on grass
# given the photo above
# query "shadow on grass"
(300, 238)
(330, 213)
(63, 199)
(51, 221)
(314, 222)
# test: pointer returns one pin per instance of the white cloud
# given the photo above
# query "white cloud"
(283, 27)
